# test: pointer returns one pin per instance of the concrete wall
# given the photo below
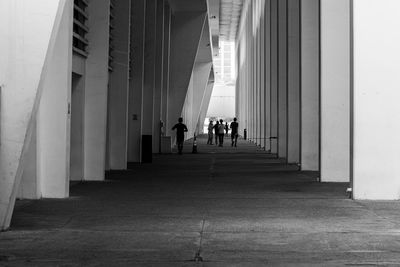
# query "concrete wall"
(335, 90)
(376, 112)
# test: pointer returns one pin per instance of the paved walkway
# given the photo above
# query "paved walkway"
(221, 207)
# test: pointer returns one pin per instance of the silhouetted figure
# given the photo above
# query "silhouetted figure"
(221, 128)
(180, 134)
(216, 132)
(234, 132)
(226, 128)
(210, 133)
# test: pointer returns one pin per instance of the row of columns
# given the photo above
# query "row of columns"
(69, 116)
(310, 72)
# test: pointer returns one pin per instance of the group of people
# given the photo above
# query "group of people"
(219, 128)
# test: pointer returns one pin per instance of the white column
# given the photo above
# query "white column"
(376, 109)
(274, 76)
(282, 78)
(335, 91)
(53, 117)
(96, 90)
(159, 73)
(29, 30)
(119, 85)
(293, 95)
(310, 85)
(136, 83)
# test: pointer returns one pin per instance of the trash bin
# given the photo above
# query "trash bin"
(147, 148)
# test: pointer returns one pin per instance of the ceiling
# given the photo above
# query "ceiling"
(230, 11)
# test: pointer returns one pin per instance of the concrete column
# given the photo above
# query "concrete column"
(166, 55)
(186, 26)
(335, 90)
(282, 78)
(376, 111)
(158, 85)
(294, 80)
(267, 74)
(252, 76)
(310, 85)
(30, 32)
(119, 85)
(53, 117)
(274, 77)
(257, 61)
(136, 82)
(77, 120)
(96, 90)
(149, 67)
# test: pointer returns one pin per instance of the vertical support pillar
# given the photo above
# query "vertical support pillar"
(158, 83)
(274, 76)
(310, 85)
(376, 111)
(166, 56)
(262, 80)
(149, 77)
(267, 74)
(34, 28)
(136, 84)
(96, 91)
(294, 80)
(282, 78)
(54, 114)
(119, 87)
(335, 91)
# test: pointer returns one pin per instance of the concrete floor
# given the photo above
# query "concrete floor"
(229, 206)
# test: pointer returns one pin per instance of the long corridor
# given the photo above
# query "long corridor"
(221, 207)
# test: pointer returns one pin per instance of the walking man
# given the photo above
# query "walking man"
(180, 134)
(221, 128)
(210, 133)
(216, 132)
(234, 132)
(226, 128)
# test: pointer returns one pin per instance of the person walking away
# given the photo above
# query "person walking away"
(216, 132)
(210, 133)
(226, 128)
(180, 134)
(221, 128)
(234, 132)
